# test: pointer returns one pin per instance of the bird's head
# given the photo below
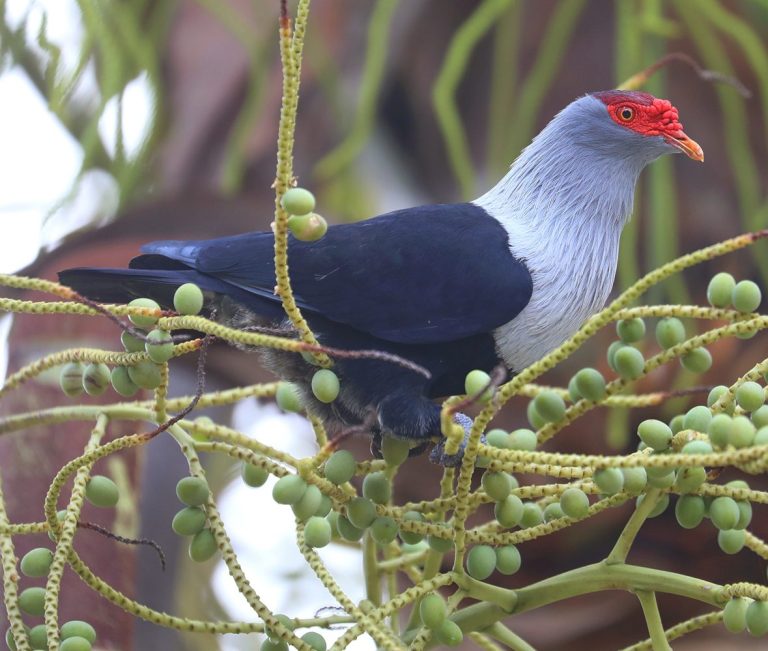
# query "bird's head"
(645, 122)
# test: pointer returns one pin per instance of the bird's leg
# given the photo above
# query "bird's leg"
(438, 454)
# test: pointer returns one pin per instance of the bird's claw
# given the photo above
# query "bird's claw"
(438, 454)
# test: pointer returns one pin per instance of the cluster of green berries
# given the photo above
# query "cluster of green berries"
(75, 635)
(724, 292)
(192, 520)
(304, 224)
(433, 613)
(94, 378)
(274, 643)
(325, 387)
(742, 613)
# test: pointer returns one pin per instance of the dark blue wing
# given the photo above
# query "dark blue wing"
(421, 275)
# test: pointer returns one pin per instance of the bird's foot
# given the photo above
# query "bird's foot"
(438, 454)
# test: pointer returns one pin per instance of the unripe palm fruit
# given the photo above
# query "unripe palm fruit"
(574, 502)
(289, 489)
(96, 378)
(534, 418)
(159, 346)
(325, 385)
(131, 343)
(720, 289)
(449, 633)
(724, 512)
(32, 601)
(746, 296)
(287, 397)
(189, 521)
(298, 201)
(140, 320)
(395, 451)
(698, 360)
(102, 491)
(71, 379)
(670, 331)
(497, 485)
(75, 643)
(361, 512)
(122, 382)
(37, 562)
(508, 559)
(481, 561)
(384, 530)
(757, 618)
(735, 614)
(590, 384)
(317, 532)
(629, 362)
(690, 511)
(630, 330)
(146, 374)
(550, 406)
(193, 491)
(203, 546)
(254, 476)
(315, 640)
(340, 467)
(731, 541)
(609, 480)
(655, 434)
(509, 511)
(532, 515)
(432, 610)
(411, 537)
(523, 439)
(347, 530)
(308, 228)
(377, 487)
(309, 503)
(750, 396)
(188, 299)
(477, 381)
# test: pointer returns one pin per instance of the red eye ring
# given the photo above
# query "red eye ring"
(626, 113)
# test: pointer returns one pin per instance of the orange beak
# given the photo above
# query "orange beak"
(689, 147)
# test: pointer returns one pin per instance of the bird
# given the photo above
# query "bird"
(500, 280)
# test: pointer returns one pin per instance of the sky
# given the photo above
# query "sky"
(44, 197)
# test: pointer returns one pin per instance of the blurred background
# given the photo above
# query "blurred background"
(125, 121)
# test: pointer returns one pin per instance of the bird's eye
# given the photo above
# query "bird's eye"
(626, 113)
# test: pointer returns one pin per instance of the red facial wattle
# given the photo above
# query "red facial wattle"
(650, 116)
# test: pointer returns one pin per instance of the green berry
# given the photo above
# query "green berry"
(499, 438)
(10, 642)
(159, 346)
(659, 508)
(273, 645)
(411, 537)
(611, 353)
(716, 393)
(340, 467)
(298, 201)
(676, 424)
(71, 379)
(289, 489)
(37, 637)
(325, 385)
(574, 502)
(189, 521)
(377, 487)
(719, 430)
(630, 330)
(746, 296)
(481, 561)
(432, 610)
(384, 530)
(317, 532)
(655, 434)
(325, 506)
(122, 382)
(254, 476)
(761, 438)
(102, 491)
(523, 439)
(78, 628)
(507, 559)
(745, 514)
(720, 289)
(573, 391)
(188, 299)
(532, 515)
(37, 562)
(308, 228)
(395, 451)
(553, 511)
(315, 640)
(697, 361)
(309, 503)
(203, 546)
(96, 379)
(590, 384)
(735, 614)
(670, 331)
(449, 633)
(146, 374)
(193, 491)
(287, 397)
(629, 362)
(140, 320)
(664, 478)
(750, 396)
(731, 541)
(347, 530)
(690, 511)
(131, 343)
(687, 480)
(759, 417)
(32, 600)
(509, 512)
(724, 512)
(75, 643)
(609, 480)
(478, 381)
(497, 485)
(742, 432)
(442, 545)
(757, 617)
(550, 406)
(698, 418)
(361, 512)
(635, 479)
(534, 418)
